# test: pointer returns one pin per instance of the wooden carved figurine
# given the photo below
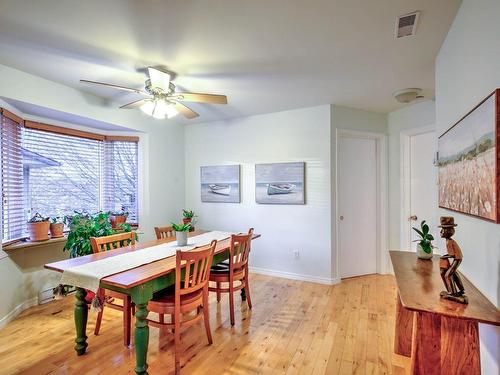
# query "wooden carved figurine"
(449, 263)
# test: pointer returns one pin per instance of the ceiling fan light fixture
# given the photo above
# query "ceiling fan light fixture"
(160, 109)
(148, 107)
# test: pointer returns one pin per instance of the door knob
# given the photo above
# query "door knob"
(413, 218)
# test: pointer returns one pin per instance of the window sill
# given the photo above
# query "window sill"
(28, 243)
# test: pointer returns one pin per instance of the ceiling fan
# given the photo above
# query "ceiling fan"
(163, 101)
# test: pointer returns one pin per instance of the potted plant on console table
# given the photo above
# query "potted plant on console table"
(424, 246)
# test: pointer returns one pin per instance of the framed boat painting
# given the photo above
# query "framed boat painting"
(469, 162)
(220, 184)
(280, 183)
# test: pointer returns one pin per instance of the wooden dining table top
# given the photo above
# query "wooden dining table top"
(138, 275)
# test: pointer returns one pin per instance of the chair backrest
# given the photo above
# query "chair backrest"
(250, 232)
(239, 250)
(192, 269)
(164, 232)
(115, 241)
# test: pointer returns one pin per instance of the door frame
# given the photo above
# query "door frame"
(405, 180)
(382, 266)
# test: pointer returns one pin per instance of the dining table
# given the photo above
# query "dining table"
(140, 283)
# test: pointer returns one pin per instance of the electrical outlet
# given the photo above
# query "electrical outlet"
(296, 254)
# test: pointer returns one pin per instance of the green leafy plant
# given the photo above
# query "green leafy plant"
(188, 214)
(83, 226)
(57, 219)
(426, 238)
(37, 218)
(181, 227)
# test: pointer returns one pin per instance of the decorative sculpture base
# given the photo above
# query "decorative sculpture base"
(461, 298)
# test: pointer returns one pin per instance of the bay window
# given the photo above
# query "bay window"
(55, 171)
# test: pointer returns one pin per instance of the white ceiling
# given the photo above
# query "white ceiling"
(265, 55)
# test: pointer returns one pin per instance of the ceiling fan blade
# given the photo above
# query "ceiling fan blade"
(134, 104)
(137, 91)
(201, 98)
(159, 78)
(186, 112)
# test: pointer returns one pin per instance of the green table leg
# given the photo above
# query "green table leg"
(81, 314)
(140, 296)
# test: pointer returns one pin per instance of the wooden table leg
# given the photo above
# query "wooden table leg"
(460, 347)
(141, 296)
(426, 345)
(444, 346)
(403, 329)
(81, 314)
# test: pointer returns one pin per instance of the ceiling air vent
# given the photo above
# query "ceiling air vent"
(406, 25)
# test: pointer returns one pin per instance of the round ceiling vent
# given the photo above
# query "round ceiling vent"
(407, 95)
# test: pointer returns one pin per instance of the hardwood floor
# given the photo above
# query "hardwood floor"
(294, 328)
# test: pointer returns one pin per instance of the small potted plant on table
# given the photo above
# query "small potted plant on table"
(38, 228)
(424, 246)
(117, 218)
(188, 217)
(56, 227)
(181, 231)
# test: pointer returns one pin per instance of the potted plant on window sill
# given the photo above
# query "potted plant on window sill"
(56, 227)
(424, 246)
(117, 218)
(181, 232)
(188, 217)
(38, 228)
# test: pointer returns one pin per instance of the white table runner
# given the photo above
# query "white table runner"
(89, 275)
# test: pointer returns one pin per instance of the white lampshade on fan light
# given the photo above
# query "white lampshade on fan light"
(159, 109)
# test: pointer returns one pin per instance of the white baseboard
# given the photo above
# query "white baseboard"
(294, 276)
(18, 310)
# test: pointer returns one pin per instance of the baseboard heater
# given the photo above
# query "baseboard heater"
(47, 295)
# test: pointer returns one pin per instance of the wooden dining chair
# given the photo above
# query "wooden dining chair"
(107, 297)
(237, 271)
(164, 232)
(192, 272)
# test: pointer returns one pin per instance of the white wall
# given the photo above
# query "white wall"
(467, 70)
(162, 184)
(413, 116)
(298, 135)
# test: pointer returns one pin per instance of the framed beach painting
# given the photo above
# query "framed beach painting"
(280, 183)
(469, 162)
(220, 184)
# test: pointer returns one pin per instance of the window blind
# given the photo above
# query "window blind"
(54, 172)
(62, 173)
(120, 178)
(13, 216)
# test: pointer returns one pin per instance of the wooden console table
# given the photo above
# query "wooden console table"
(441, 336)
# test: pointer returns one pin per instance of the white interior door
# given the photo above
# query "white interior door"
(423, 184)
(357, 200)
